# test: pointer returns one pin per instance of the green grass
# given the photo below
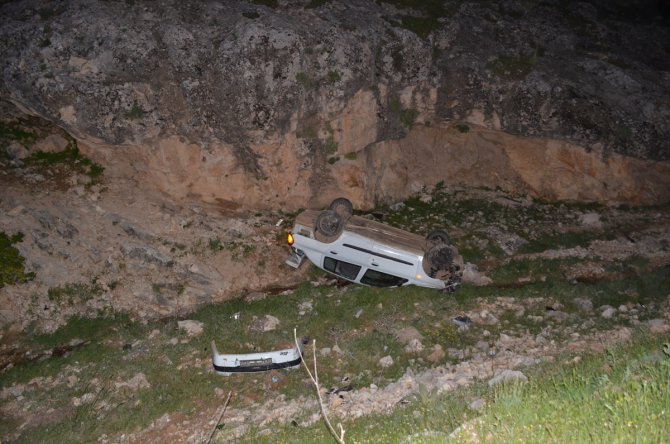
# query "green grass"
(10, 132)
(306, 82)
(70, 159)
(74, 293)
(136, 112)
(116, 348)
(621, 397)
(408, 116)
(464, 129)
(12, 264)
(330, 146)
(334, 76)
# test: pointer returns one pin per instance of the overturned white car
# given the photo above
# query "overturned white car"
(372, 253)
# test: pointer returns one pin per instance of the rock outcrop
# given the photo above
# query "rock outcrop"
(251, 106)
(254, 106)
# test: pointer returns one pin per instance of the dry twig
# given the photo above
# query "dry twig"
(218, 421)
(315, 380)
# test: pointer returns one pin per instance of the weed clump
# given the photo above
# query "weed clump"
(70, 158)
(12, 264)
(74, 293)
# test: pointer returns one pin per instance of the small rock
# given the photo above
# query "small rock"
(507, 376)
(337, 349)
(471, 275)
(325, 351)
(173, 341)
(386, 362)
(608, 313)
(482, 345)
(558, 315)
(255, 296)
(86, 398)
(623, 308)
(407, 334)
(505, 339)
(305, 307)
(192, 328)
(491, 320)
(477, 404)
(414, 346)
(591, 220)
(657, 326)
(437, 355)
(266, 323)
(137, 382)
(584, 305)
(359, 312)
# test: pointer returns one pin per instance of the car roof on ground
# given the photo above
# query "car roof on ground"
(380, 233)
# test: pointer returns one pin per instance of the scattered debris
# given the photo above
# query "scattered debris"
(227, 364)
(461, 321)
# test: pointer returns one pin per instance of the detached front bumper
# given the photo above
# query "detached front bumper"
(227, 364)
(296, 258)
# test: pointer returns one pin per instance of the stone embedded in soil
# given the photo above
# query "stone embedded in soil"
(583, 305)
(266, 323)
(507, 376)
(609, 312)
(414, 346)
(437, 354)
(471, 275)
(386, 362)
(137, 382)
(657, 326)
(407, 334)
(477, 404)
(192, 328)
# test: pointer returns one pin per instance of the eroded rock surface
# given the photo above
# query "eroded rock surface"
(248, 106)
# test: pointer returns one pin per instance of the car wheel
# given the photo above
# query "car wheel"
(342, 206)
(439, 259)
(329, 223)
(438, 237)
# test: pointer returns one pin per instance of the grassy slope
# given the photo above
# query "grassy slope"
(115, 349)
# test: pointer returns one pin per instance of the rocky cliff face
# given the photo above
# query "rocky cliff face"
(287, 104)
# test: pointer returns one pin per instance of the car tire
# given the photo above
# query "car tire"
(436, 237)
(342, 206)
(329, 223)
(438, 258)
